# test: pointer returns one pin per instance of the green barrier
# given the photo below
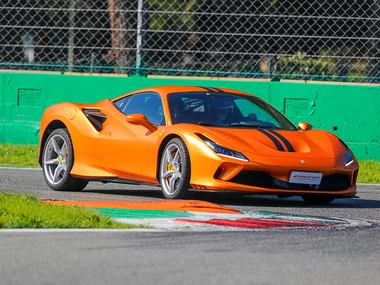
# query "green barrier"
(350, 111)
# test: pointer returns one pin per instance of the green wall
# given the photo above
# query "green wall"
(350, 111)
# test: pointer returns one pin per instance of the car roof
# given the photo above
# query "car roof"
(164, 90)
(175, 89)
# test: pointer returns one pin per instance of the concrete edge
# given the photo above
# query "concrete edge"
(190, 77)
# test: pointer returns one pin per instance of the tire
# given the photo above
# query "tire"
(57, 162)
(175, 164)
(318, 199)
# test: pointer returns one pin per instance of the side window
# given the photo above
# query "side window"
(123, 102)
(149, 104)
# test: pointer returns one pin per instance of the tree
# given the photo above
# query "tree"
(118, 31)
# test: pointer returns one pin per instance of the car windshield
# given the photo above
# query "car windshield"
(225, 110)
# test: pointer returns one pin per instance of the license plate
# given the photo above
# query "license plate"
(298, 177)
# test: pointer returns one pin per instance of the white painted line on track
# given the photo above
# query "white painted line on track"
(2, 231)
(190, 223)
(19, 168)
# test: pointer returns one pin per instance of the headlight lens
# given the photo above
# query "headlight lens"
(223, 151)
(349, 158)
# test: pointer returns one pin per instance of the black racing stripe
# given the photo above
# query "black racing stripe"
(273, 139)
(212, 89)
(284, 140)
(207, 89)
(217, 89)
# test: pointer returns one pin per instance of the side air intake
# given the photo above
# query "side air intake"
(96, 118)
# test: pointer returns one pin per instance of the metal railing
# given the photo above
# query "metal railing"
(332, 40)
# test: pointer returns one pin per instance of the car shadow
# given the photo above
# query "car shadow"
(234, 199)
(148, 193)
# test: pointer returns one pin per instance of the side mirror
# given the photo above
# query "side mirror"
(140, 119)
(303, 126)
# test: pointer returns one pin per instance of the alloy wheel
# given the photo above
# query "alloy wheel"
(55, 159)
(171, 167)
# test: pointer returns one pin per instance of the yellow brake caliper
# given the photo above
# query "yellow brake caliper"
(170, 167)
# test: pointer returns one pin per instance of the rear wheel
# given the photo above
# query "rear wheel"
(175, 170)
(57, 161)
(317, 199)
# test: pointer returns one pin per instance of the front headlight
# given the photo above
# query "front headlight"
(223, 151)
(349, 158)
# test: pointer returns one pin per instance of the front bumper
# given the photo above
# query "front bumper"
(271, 175)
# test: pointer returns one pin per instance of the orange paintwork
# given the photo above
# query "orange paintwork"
(128, 151)
(167, 205)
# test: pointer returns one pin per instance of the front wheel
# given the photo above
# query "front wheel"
(57, 161)
(175, 170)
(317, 199)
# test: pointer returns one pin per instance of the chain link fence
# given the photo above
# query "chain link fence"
(331, 40)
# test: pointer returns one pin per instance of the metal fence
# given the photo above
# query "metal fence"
(331, 40)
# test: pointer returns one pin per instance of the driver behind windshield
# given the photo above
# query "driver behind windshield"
(222, 111)
(225, 110)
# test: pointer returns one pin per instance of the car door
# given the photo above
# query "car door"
(131, 150)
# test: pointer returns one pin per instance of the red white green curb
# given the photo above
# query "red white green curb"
(188, 215)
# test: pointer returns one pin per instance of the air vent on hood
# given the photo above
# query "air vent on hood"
(96, 118)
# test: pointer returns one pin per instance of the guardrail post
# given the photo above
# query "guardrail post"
(141, 28)
(70, 57)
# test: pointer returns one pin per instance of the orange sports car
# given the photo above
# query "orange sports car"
(200, 138)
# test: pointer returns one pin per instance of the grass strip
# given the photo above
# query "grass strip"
(19, 155)
(26, 211)
(26, 156)
(369, 171)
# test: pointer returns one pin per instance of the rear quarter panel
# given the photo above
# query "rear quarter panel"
(82, 133)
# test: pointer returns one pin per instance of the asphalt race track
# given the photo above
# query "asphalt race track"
(32, 181)
(348, 256)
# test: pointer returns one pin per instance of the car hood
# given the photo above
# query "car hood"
(302, 144)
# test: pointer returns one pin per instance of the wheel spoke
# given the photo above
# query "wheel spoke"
(56, 147)
(176, 156)
(169, 156)
(52, 161)
(57, 172)
(64, 149)
(166, 174)
(178, 174)
(172, 183)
